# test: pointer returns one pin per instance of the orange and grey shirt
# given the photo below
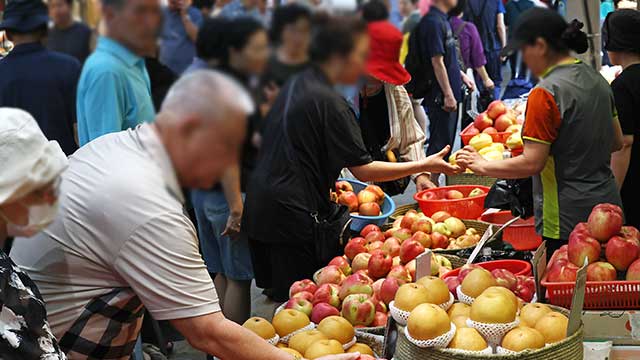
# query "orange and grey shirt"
(572, 110)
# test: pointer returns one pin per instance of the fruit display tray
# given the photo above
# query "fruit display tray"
(601, 295)
(465, 208)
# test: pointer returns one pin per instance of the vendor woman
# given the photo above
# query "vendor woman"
(311, 135)
(571, 128)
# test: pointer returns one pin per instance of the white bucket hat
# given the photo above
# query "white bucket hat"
(28, 160)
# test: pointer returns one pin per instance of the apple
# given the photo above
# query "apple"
(391, 247)
(630, 232)
(369, 209)
(360, 262)
(582, 246)
(305, 295)
(505, 278)
(388, 290)
(476, 192)
(621, 252)
(563, 272)
(354, 247)
(409, 250)
(374, 246)
(408, 219)
(303, 285)
(323, 310)
(633, 272)
(560, 255)
(601, 271)
(379, 264)
(260, 327)
(402, 234)
(452, 283)
(400, 273)
(503, 122)
(330, 274)
(300, 342)
(396, 260)
(376, 287)
(379, 319)
(423, 225)
(337, 328)
(327, 293)
(369, 228)
(442, 229)
(525, 288)
(605, 221)
(374, 236)
(472, 130)
(366, 196)
(411, 267)
(301, 305)
(389, 233)
(454, 195)
(439, 241)
(342, 186)
(288, 320)
(422, 238)
(380, 305)
(358, 309)
(496, 109)
(376, 190)
(341, 263)
(323, 348)
(357, 283)
(490, 130)
(455, 226)
(440, 216)
(482, 121)
(349, 199)
(465, 270)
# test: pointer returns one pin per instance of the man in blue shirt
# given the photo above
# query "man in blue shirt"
(179, 33)
(488, 16)
(35, 79)
(114, 92)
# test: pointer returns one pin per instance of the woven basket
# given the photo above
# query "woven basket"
(470, 179)
(570, 348)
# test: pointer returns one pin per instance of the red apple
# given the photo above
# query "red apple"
(402, 234)
(490, 130)
(401, 274)
(376, 287)
(358, 309)
(505, 278)
(342, 186)
(360, 262)
(366, 196)
(630, 232)
(633, 272)
(349, 199)
(388, 289)
(374, 246)
(582, 246)
(482, 121)
(454, 195)
(321, 311)
(379, 320)
(496, 109)
(378, 191)
(391, 247)
(389, 233)
(354, 247)
(374, 236)
(472, 131)
(423, 225)
(303, 285)
(440, 216)
(327, 293)
(525, 293)
(379, 264)
(563, 273)
(330, 275)
(380, 305)
(465, 270)
(561, 254)
(409, 250)
(301, 305)
(305, 295)
(621, 252)
(439, 241)
(342, 263)
(503, 122)
(411, 267)
(452, 283)
(357, 283)
(408, 219)
(605, 221)
(369, 209)
(369, 228)
(601, 271)
(422, 238)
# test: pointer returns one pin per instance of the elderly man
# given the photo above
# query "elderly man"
(119, 246)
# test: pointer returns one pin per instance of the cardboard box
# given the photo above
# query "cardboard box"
(621, 327)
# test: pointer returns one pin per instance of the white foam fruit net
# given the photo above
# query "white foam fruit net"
(487, 351)
(274, 340)
(502, 351)
(493, 333)
(445, 306)
(348, 345)
(400, 316)
(440, 342)
(462, 297)
(285, 339)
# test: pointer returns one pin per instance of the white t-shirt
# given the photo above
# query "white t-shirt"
(121, 243)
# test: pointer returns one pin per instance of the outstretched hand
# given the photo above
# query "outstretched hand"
(436, 163)
(350, 356)
(469, 158)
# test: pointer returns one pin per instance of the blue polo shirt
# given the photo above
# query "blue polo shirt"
(42, 83)
(114, 92)
(484, 14)
(177, 50)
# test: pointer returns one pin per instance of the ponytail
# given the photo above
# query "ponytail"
(574, 38)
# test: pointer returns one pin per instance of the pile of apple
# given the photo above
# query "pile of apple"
(609, 248)
(333, 335)
(497, 119)
(451, 194)
(367, 202)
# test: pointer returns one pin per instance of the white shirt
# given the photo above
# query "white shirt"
(121, 240)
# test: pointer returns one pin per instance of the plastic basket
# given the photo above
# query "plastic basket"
(601, 295)
(517, 267)
(466, 208)
(521, 234)
(500, 137)
(358, 222)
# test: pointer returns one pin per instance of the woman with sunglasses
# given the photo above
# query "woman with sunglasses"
(571, 128)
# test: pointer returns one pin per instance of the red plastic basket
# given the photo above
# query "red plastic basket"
(601, 295)
(521, 234)
(517, 267)
(500, 137)
(469, 208)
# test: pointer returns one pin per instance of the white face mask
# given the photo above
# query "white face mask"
(40, 216)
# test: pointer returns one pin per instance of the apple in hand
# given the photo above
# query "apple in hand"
(327, 293)
(621, 252)
(323, 310)
(605, 221)
(601, 271)
(303, 285)
(301, 305)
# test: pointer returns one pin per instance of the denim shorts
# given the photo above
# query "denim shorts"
(221, 254)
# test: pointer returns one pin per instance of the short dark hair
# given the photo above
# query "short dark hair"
(113, 3)
(201, 4)
(286, 15)
(210, 43)
(374, 10)
(335, 36)
(41, 31)
(236, 35)
(458, 9)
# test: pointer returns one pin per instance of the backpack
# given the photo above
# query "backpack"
(488, 36)
(456, 35)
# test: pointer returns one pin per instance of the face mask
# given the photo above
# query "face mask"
(40, 216)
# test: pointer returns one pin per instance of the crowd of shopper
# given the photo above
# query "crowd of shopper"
(249, 114)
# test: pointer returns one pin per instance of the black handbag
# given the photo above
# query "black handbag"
(330, 232)
(515, 195)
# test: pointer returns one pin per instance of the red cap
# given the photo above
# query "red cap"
(384, 59)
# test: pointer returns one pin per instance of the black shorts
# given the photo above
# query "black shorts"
(278, 266)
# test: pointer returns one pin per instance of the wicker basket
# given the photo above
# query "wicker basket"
(470, 179)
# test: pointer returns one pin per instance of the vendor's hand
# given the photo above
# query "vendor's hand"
(233, 225)
(450, 103)
(350, 356)
(488, 84)
(468, 82)
(423, 182)
(469, 158)
(436, 163)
